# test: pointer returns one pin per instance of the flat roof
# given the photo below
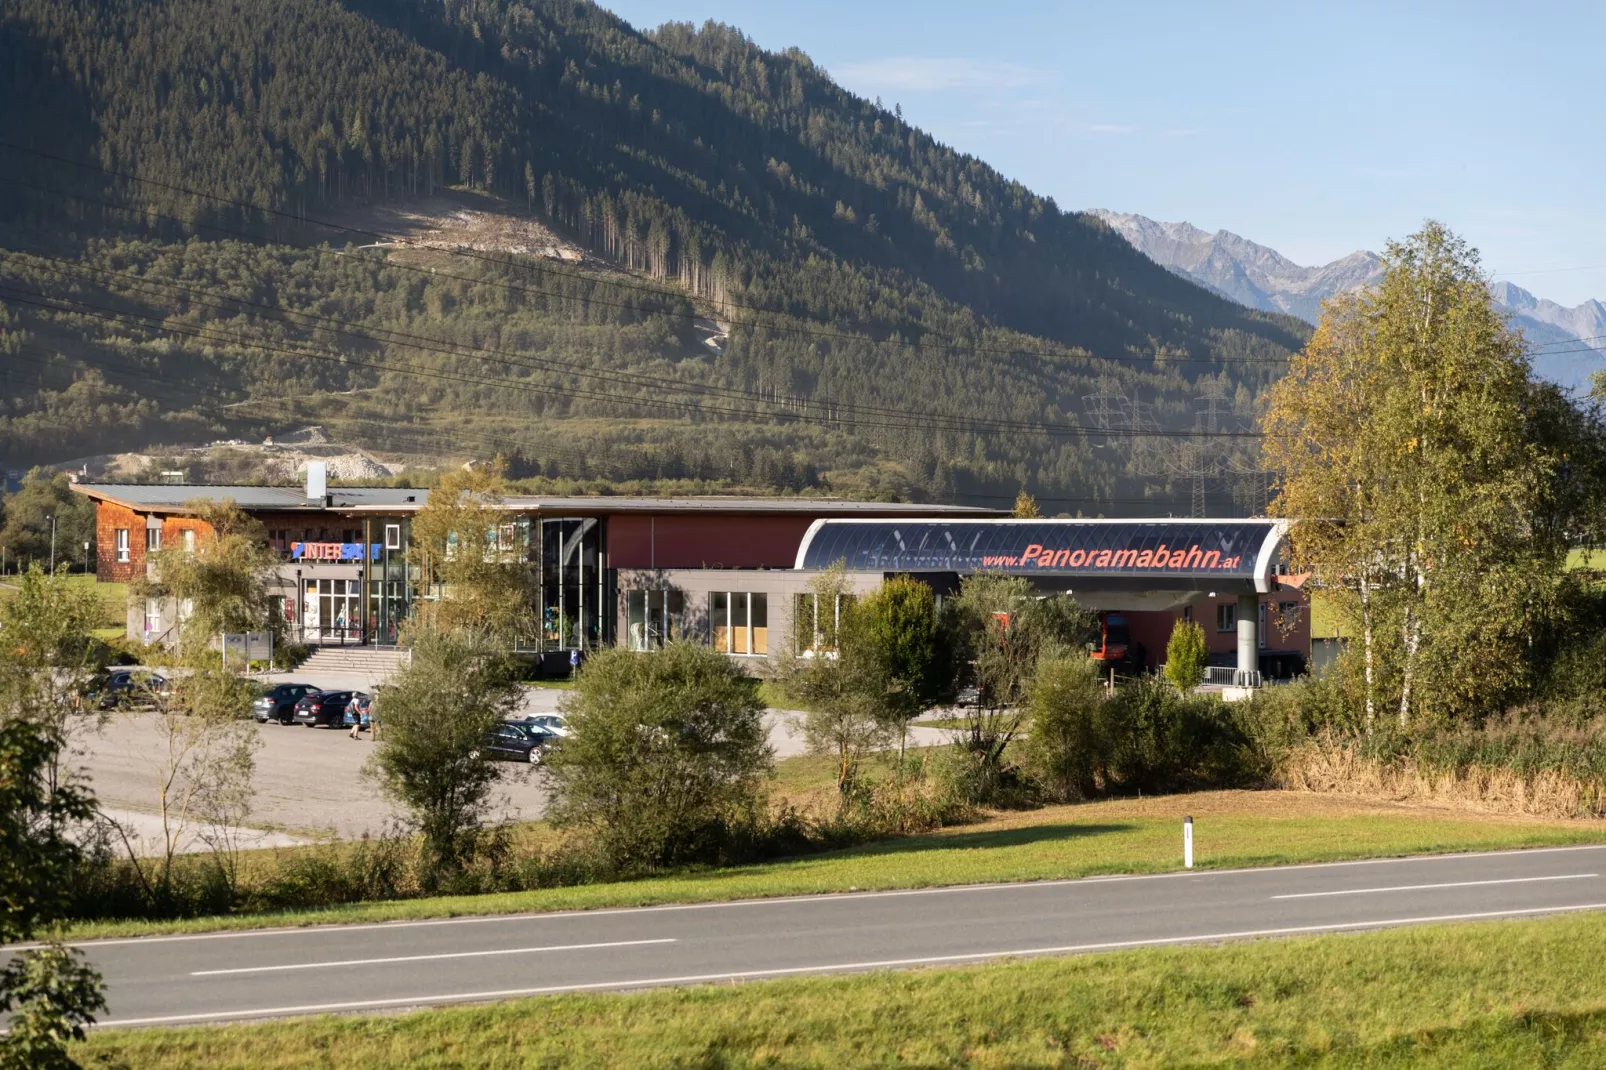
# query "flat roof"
(786, 506)
(174, 497)
(168, 497)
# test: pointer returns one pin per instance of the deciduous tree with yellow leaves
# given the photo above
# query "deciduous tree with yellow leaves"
(1434, 483)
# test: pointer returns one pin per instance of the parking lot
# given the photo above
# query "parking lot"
(310, 782)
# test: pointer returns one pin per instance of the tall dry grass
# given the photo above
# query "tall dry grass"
(1330, 763)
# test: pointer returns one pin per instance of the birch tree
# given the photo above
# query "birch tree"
(203, 765)
(474, 560)
(1422, 466)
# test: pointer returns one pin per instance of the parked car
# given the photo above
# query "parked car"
(553, 724)
(513, 741)
(128, 687)
(322, 709)
(278, 703)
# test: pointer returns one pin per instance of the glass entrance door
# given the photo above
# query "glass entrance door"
(332, 611)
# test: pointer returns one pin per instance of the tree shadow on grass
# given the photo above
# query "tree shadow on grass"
(906, 845)
(959, 841)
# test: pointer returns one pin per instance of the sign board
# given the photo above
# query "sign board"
(248, 646)
(334, 551)
(1142, 551)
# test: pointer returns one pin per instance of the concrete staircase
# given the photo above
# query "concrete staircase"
(355, 660)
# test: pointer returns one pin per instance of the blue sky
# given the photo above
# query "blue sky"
(1316, 130)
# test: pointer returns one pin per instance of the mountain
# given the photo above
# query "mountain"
(1262, 278)
(1241, 270)
(1565, 340)
(691, 258)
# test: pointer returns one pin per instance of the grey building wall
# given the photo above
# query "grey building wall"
(779, 586)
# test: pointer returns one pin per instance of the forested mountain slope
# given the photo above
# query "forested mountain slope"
(902, 318)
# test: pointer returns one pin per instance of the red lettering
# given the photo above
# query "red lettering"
(1195, 555)
(1031, 552)
(1103, 559)
(1076, 558)
(1177, 558)
(1212, 560)
(1145, 559)
(1161, 557)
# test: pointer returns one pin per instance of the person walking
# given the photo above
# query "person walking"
(356, 719)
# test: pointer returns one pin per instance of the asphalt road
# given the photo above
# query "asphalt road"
(271, 973)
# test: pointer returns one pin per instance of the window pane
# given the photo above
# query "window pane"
(803, 627)
(761, 624)
(675, 620)
(719, 620)
(636, 620)
(739, 623)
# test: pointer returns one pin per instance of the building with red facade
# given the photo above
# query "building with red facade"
(733, 572)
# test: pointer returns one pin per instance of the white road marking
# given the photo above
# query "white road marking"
(839, 967)
(953, 889)
(1427, 887)
(427, 958)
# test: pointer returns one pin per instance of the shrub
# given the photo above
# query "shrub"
(438, 711)
(666, 759)
(1159, 740)
(49, 997)
(1186, 655)
(1066, 751)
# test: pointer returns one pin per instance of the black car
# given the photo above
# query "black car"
(278, 703)
(325, 709)
(128, 687)
(518, 743)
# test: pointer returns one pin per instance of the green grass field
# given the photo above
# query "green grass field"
(1232, 829)
(113, 599)
(1492, 994)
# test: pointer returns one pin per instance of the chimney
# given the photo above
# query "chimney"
(317, 480)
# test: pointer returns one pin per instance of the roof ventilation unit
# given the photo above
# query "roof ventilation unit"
(317, 480)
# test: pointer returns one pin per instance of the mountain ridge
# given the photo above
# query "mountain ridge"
(852, 255)
(1258, 276)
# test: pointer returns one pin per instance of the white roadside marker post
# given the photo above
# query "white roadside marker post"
(1187, 843)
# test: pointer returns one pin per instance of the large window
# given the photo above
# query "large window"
(331, 611)
(653, 618)
(153, 539)
(815, 622)
(122, 545)
(739, 622)
(1226, 616)
(389, 581)
(572, 584)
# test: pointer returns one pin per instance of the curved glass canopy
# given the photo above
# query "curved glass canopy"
(1153, 552)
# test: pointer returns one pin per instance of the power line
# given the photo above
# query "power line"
(888, 419)
(536, 265)
(493, 441)
(426, 343)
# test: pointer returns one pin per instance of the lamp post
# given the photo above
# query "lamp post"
(52, 519)
(86, 558)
